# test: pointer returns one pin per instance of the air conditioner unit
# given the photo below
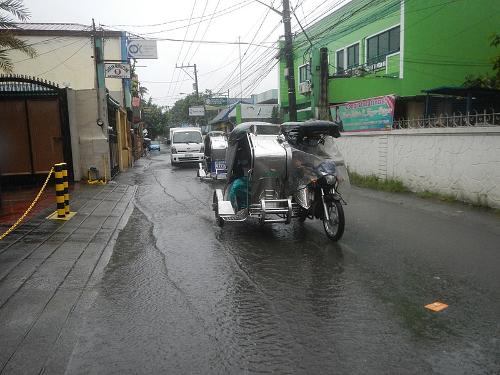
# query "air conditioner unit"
(304, 87)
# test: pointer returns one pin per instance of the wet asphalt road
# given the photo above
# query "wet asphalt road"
(180, 295)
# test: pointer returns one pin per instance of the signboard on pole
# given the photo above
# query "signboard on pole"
(364, 115)
(216, 101)
(197, 111)
(117, 70)
(142, 49)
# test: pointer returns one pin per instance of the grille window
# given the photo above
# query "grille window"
(340, 61)
(353, 56)
(383, 44)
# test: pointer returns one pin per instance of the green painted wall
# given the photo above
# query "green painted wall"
(444, 41)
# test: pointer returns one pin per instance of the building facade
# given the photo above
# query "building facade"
(408, 49)
(98, 109)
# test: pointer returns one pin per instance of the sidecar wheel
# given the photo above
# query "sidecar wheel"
(218, 219)
(334, 227)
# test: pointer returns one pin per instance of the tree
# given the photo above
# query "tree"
(491, 81)
(156, 117)
(276, 115)
(179, 113)
(8, 41)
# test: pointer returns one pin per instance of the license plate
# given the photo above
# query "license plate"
(188, 155)
(220, 165)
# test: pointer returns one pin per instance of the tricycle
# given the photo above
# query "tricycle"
(214, 162)
(276, 173)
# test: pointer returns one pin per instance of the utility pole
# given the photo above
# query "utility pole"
(292, 102)
(241, 86)
(99, 83)
(195, 76)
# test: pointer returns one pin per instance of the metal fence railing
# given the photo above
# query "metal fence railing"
(486, 118)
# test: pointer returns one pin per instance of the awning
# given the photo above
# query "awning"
(223, 116)
(463, 91)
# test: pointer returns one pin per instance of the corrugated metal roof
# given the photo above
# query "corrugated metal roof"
(54, 26)
(75, 29)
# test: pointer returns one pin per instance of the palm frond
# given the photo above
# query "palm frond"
(9, 42)
(5, 63)
(16, 8)
(7, 22)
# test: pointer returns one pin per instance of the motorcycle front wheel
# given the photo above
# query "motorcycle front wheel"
(334, 227)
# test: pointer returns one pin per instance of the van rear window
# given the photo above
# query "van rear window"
(187, 137)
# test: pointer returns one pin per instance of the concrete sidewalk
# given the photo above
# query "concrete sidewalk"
(45, 267)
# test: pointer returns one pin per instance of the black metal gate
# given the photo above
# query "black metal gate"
(113, 137)
(34, 129)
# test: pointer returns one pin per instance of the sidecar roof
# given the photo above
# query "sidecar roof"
(311, 128)
(254, 127)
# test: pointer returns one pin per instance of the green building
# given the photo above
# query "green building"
(420, 51)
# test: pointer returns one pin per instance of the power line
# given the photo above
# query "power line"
(245, 3)
(206, 29)
(65, 60)
(211, 42)
(246, 51)
(180, 50)
(50, 51)
(196, 32)
(194, 23)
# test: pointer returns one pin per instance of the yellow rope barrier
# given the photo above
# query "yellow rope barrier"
(16, 224)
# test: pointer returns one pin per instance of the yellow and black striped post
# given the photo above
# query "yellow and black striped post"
(66, 188)
(61, 210)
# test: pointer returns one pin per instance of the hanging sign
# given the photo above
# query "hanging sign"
(142, 49)
(197, 111)
(117, 71)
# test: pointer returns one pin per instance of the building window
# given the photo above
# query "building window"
(353, 56)
(340, 62)
(304, 73)
(381, 45)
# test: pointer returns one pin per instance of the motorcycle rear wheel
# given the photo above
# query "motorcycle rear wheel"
(334, 227)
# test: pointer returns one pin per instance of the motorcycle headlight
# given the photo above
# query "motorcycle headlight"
(330, 180)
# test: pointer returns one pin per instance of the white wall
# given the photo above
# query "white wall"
(64, 60)
(68, 62)
(93, 149)
(463, 162)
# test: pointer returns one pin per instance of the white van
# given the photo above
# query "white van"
(169, 141)
(186, 146)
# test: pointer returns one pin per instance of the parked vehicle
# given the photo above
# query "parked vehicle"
(187, 146)
(154, 146)
(298, 173)
(214, 163)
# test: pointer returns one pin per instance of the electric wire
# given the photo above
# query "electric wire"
(206, 30)
(196, 32)
(47, 52)
(179, 20)
(65, 60)
(180, 53)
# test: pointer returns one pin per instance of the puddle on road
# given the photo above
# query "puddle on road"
(185, 296)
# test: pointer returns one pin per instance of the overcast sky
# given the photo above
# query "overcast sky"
(231, 19)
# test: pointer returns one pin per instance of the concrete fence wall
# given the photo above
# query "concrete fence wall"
(463, 162)
(89, 143)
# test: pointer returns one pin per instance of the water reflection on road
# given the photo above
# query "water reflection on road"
(181, 295)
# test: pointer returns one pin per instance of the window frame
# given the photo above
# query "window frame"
(298, 73)
(346, 68)
(337, 62)
(378, 33)
(346, 53)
